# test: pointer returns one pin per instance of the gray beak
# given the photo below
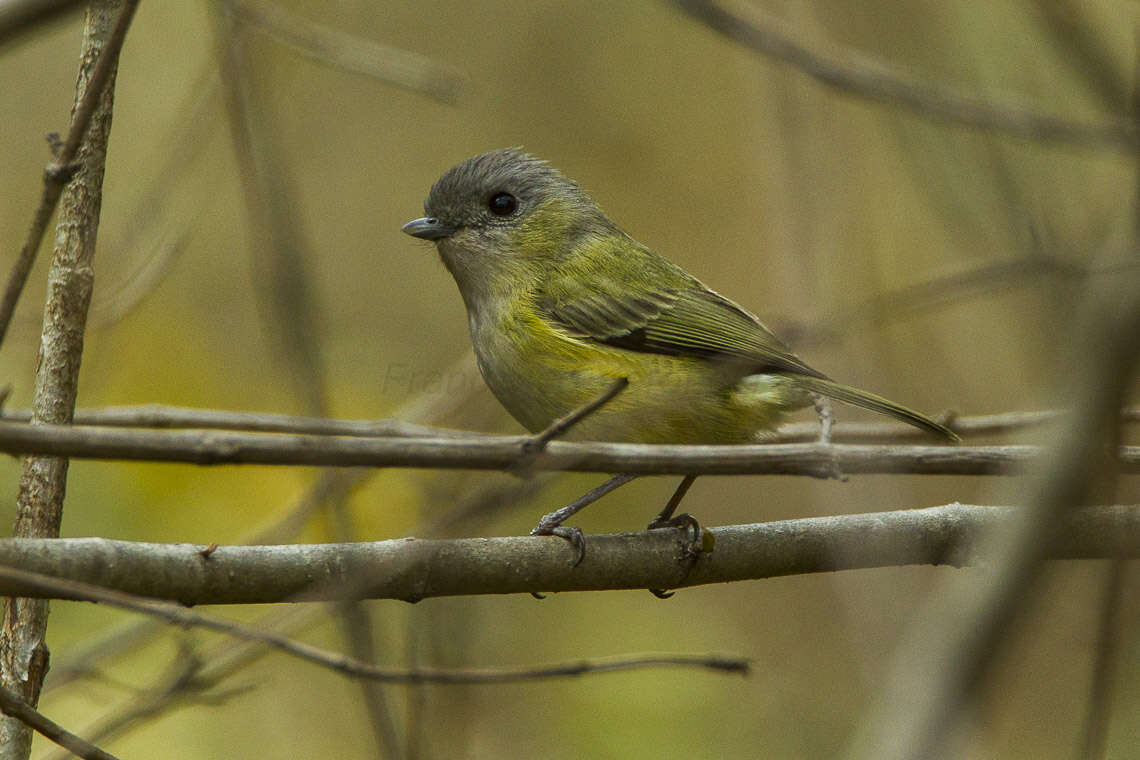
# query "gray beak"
(428, 228)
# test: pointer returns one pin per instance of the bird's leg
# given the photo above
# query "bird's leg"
(666, 519)
(551, 524)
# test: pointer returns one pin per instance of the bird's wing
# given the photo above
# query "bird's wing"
(685, 320)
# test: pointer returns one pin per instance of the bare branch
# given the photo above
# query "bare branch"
(346, 665)
(974, 425)
(351, 53)
(484, 452)
(857, 74)
(12, 705)
(79, 165)
(167, 417)
(412, 569)
(62, 169)
(563, 424)
(177, 417)
(197, 673)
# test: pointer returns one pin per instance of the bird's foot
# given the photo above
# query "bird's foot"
(549, 526)
(696, 543)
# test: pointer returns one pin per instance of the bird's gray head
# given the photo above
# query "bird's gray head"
(504, 212)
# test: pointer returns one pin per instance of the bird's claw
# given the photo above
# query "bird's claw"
(697, 537)
(697, 542)
(570, 533)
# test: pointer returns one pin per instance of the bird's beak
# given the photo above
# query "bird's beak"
(428, 228)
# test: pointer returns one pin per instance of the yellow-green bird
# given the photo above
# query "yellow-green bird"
(562, 303)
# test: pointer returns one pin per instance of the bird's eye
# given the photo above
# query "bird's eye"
(502, 204)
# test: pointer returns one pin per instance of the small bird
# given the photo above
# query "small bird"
(561, 304)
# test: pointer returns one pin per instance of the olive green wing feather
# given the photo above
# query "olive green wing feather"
(684, 320)
(679, 316)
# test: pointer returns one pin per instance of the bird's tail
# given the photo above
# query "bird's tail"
(856, 397)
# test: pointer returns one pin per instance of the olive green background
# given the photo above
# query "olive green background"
(798, 201)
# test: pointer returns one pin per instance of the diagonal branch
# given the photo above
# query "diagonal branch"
(353, 53)
(62, 168)
(860, 75)
(13, 706)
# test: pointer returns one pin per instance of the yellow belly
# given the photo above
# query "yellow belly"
(540, 373)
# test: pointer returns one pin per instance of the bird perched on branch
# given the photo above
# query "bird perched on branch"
(562, 303)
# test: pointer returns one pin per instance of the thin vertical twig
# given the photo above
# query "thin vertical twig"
(39, 503)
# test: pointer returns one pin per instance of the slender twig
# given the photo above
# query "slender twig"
(412, 569)
(60, 171)
(12, 705)
(857, 74)
(175, 417)
(482, 452)
(563, 424)
(82, 661)
(184, 681)
(922, 297)
(349, 666)
(352, 53)
(331, 485)
(974, 425)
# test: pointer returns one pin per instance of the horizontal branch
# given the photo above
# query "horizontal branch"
(411, 569)
(483, 452)
(183, 417)
(968, 425)
(166, 417)
(355, 668)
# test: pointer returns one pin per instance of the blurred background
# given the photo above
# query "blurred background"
(815, 208)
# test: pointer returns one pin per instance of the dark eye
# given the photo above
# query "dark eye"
(503, 204)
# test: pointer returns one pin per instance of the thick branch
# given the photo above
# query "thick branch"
(412, 569)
